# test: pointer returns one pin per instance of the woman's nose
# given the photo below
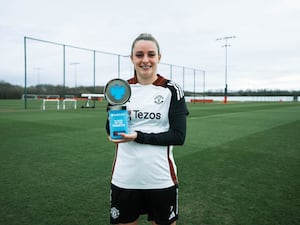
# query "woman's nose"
(145, 58)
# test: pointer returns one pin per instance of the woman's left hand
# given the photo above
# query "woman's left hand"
(125, 138)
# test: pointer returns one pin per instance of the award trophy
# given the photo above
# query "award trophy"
(117, 93)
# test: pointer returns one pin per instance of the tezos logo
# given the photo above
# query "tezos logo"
(159, 99)
(146, 115)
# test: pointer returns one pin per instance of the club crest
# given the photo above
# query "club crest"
(159, 99)
(117, 91)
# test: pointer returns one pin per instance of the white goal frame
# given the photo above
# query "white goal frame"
(69, 100)
(50, 100)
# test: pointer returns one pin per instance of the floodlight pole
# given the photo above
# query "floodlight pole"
(226, 45)
(203, 86)
(94, 70)
(194, 86)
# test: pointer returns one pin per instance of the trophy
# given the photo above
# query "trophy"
(117, 93)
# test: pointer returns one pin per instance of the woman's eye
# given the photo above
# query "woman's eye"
(151, 54)
(139, 55)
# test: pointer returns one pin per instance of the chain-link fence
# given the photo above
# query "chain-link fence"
(63, 70)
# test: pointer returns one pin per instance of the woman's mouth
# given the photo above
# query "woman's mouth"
(145, 67)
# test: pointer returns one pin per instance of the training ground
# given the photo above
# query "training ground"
(240, 165)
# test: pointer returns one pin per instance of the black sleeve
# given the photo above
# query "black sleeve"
(107, 127)
(177, 119)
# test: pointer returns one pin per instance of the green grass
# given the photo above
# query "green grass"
(240, 165)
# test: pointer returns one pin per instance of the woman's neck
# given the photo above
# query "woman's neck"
(146, 81)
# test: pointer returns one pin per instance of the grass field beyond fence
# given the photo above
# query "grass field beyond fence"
(240, 165)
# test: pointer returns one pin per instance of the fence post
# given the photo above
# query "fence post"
(25, 79)
(94, 72)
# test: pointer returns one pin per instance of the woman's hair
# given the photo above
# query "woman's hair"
(145, 37)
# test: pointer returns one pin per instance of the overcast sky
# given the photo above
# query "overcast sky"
(264, 54)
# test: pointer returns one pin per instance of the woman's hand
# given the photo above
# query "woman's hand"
(125, 138)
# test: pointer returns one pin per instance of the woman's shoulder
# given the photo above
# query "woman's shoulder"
(175, 89)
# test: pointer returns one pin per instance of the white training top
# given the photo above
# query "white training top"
(146, 166)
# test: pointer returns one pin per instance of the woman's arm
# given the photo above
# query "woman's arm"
(174, 136)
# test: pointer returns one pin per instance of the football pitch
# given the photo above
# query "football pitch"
(240, 165)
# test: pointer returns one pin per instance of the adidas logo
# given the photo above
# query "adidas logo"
(172, 215)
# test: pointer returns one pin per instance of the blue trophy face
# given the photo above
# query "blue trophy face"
(117, 91)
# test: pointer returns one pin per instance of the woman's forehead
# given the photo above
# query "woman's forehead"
(142, 45)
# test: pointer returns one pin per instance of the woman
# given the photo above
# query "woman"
(144, 179)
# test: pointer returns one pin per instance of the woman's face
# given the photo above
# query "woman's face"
(145, 58)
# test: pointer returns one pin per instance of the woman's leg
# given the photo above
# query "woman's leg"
(133, 223)
(174, 223)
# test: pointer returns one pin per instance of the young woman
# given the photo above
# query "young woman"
(144, 176)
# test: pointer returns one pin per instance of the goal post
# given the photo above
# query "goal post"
(50, 100)
(66, 103)
(69, 102)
